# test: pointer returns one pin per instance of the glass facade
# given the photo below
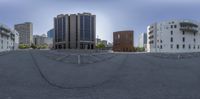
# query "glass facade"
(50, 33)
(74, 27)
(86, 28)
(93, 28)
(81, 28)
(60, 30)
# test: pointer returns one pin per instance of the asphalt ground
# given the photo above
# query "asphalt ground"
(31, 75)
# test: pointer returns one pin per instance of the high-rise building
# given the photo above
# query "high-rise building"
(75, 31)
(9, 39)
(142, 40)
(25, 31)
(174, 36)
(50, 33)
(123, 41)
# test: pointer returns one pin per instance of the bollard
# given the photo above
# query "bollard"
(79, 59)
(179, 56)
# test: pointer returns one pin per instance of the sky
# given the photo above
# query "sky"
(111, 15)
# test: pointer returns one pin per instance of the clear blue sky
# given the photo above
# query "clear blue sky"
(112, 15)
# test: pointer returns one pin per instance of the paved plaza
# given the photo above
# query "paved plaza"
(34, 74)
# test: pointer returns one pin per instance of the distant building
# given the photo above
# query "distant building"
(75, 31)
(9, 39)
(42, 40)
(104, 42)
(143, 40)
(50, 33)
(98, 41)
(174, 36)
(123, 41)
(25, 31)
(110, 44)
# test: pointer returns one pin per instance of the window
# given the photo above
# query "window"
(160, 41)
(194, 47)
(171, 46)
(177, 46)
(189, 47)
(183, 39)
(118, 36)
(160, 46)
(194, 40)
(171, 39)
(183, 32)
(183, 46)
(174, 26)
(194, 33)
(1, 44)
(171, 32)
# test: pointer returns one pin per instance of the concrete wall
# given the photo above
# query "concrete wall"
(73, 31)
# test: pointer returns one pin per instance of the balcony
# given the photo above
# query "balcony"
(12, 36)
(150, 37)
(189, 27)
(4, 31)
(151, 32)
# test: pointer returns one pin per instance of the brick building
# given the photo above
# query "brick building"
(123, 41)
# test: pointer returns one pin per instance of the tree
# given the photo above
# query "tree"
(139, 49)
(100, 46)
(33, 46)
(23, 46)
(43, 46)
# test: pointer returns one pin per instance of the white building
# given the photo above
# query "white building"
(143, 40)
(9, 39)
(174, 36)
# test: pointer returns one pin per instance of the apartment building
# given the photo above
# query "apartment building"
(25, 31)
(9, 39)
(174, 36)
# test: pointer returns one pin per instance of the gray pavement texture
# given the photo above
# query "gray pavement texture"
(31, 75)
(72, 57)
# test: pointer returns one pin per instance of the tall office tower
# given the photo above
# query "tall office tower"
(143, 40)
(25, 31)
(75, 31)
(123, 41)
(174, 36)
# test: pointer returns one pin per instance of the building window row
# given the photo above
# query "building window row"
(183, 39)
(183, 46)
(173, 26)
